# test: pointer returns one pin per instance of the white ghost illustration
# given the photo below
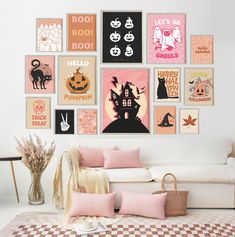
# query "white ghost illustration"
(176, 34)
(157, 35)
(167, 40)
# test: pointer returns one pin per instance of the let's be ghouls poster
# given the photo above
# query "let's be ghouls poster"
(125, 101)
(77, 80)
(166, 38)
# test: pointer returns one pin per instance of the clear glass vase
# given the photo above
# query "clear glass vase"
(36, 194)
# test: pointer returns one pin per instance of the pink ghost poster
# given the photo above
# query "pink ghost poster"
(166, 38)
(125, 101)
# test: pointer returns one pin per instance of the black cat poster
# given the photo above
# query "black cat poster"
(122, 37)
(64, 121)
(167, 84)
(39, 74)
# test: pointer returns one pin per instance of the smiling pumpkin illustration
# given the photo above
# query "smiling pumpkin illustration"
(78, 83)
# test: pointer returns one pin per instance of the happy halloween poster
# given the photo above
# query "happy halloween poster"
(39, 74)
(77, 80)
(167, 84)
(199, 86)
(165, 120)
(122, 37)
(125, 101)
(81, 32)
(38, 112)
(166, 38)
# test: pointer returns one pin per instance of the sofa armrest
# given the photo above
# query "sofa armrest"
(231, 161)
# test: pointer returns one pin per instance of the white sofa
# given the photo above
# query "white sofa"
(201, 165)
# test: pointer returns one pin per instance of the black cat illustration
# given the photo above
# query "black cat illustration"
(162, 91)
(40, 74)
(165, 121)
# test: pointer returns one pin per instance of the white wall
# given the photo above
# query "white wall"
(17, 39)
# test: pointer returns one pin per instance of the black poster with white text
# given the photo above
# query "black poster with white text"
(122, 37)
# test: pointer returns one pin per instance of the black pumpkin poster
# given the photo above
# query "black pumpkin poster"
(64, 121)
(122, 37)
(77, 80)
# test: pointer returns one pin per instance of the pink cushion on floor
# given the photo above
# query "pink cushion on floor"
(92, 157)
(89, 204)
(122, 158)
(149, 205)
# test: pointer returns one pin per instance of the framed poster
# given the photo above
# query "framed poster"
(39, 74)
(87, 121)
(165, 120)
(166, 35)
(77, 80)
(202, 49)
(64, 121)
(167, 84)
(81, 32)
(189, 120)
(122, 37)
(199, 86)
(125, 101)
(49, 35)
(38, 112)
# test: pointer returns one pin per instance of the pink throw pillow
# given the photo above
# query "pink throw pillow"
(92, 157)
(90, 204)
(148, 205)
(122, 158)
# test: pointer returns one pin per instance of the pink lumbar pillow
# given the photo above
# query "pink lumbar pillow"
(91, 157)
(122, 158)
(89, 204)
(149, 205)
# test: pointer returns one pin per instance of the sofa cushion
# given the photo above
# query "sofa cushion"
(196, 173)
(128, 175)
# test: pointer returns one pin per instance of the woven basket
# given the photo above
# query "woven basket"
(176, 201)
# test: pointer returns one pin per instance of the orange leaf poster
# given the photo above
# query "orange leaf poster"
(81, 32)
(38, 112)
(189, 121)
(202, 49)
(77, 80)
(165, 120)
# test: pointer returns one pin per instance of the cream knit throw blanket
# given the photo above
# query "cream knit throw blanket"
(93, 181)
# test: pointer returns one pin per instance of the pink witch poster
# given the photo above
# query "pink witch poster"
(125, 101)
(166, 38)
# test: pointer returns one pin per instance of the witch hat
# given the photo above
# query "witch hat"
(165, 121)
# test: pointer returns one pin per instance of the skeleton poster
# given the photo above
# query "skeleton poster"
(39, 74)
(64, 121)
(165, 120)
(77, 80)
(202, 49)
(189, 121)
(125, 101)
(167, 84)
(199, 86)
(122, 37)
(87, 121)
(38, 112)
(49, 35)
(166, 38)
(81, 32)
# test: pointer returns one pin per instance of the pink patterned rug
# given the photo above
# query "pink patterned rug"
(196, 224)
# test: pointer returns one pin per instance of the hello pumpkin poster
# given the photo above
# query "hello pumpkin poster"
(125, 101)
(77, 80)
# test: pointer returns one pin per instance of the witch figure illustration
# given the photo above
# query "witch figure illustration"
(165, 121)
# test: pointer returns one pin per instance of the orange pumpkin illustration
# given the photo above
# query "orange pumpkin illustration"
(78, 83)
